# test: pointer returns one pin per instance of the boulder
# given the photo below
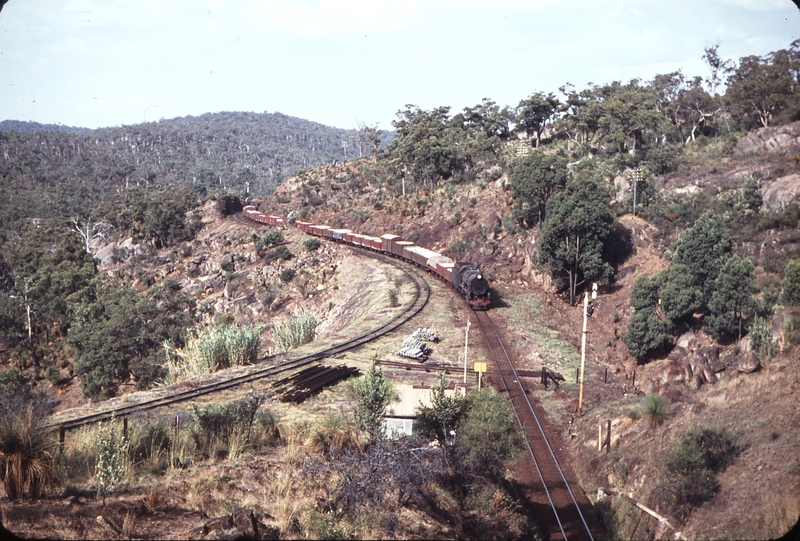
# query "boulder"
(782, 192)
(242, 524)
(748, 362)
(702, 366)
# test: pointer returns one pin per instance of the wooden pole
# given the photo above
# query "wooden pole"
(599, 437)
(605, 376)
(608, 442)
(678, 534)
(480, 373)
(577, 375)
(125, 428)
(583, 351)
(61, 437)
(544, 377)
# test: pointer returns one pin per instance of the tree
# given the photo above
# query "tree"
(534, 179)
(374, 393)
(680, 296)
(702, 249)
(760, 88)
(645, 335)
(444, 413)
(577, 224)
(535, 112)
(422, 146)
(751, 196)
(791, 284)
(119, 334)
(732, 301)
(716, 67)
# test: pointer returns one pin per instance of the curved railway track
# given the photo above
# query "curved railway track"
(572, 516)
(421, 296)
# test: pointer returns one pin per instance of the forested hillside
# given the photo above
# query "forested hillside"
(61, 173)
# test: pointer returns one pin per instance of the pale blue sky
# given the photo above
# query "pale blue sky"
(103, 63)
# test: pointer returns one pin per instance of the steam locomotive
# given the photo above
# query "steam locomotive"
(466, 278)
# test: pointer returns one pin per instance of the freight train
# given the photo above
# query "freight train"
(466, 278)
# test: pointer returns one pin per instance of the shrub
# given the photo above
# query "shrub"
(791, 285)
(283, 253)
(112, 451)
(270, 237)
(374, 393)
(287, 275)
(691, 469)
(486, 435)
(296, 331)
(312, 244)
(226, 424)
(393, 302)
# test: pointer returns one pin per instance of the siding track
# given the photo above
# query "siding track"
(421, 296)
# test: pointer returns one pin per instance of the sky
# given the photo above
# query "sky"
(345, 63)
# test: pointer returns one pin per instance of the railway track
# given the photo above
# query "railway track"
(420, 299)
(571, 514)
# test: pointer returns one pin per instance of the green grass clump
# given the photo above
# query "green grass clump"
(215, 348)
(296, 331)
(655, 409)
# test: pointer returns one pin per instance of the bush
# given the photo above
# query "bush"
(312, 244)
(486, 435)
(298, 330)
(691, 470)
(283, 253)
(374, 393)
(791, 285)
(225, 425)
(287, 275)
(112, 452)
(270, 237)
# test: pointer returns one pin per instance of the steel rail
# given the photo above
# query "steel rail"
(420, 299)
(519, 421)
(536, 418)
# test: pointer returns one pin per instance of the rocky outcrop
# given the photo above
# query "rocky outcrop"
(782, 192)
(779, 139)
(703, 365)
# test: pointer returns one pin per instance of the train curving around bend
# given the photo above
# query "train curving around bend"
(466, 278)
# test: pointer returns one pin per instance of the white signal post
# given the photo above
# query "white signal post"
(466, 344)
(583, 342)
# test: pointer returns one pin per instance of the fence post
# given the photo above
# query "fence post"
(599, 437)
(577, 375)
(125, 428)
(608, 443)
(605, 376)
(61, 437)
